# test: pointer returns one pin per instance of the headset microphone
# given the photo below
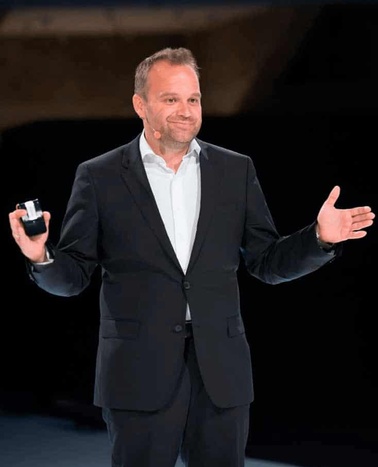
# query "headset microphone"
(156, 134)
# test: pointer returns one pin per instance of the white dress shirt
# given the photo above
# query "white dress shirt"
(177, 196)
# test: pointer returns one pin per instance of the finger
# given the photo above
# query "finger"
(16, 225)
(17, 237)
(333, 196)
(362, 211)
(357, 234)
(14, 221)
(17, 214)
(17, 233)
(46, 217)
(362, 224)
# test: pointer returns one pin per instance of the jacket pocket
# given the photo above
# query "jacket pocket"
(119, 329)
(235, 326)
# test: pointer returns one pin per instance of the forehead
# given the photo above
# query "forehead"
(170, 77)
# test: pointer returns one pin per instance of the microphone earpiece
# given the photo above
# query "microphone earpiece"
(156, 133)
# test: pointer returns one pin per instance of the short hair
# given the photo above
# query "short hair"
(175, 56)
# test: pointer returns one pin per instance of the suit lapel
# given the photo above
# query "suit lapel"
(211, 178)
(135, 176)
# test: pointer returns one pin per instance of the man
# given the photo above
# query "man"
(167, 218)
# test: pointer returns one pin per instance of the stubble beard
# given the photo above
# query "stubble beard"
(178, 140)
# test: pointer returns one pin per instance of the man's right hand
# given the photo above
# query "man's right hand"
(32, 247)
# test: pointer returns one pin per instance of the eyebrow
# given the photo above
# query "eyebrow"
(174, 94)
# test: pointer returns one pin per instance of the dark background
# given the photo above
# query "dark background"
(313, 341)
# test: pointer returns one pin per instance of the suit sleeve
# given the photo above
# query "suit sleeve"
(75, 256)
(269, 256)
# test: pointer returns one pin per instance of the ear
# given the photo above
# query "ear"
(138, 104)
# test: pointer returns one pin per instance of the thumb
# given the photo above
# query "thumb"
(333, 196)
(46, 217)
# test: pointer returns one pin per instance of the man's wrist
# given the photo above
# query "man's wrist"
(321, 243)
(46, 259)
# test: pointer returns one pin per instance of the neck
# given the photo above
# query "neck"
(171, 153)
(173, 159)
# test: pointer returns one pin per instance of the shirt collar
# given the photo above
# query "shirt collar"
(145, 149)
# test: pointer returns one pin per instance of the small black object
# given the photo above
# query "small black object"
(33, 221)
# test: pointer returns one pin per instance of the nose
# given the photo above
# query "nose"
(183, 109)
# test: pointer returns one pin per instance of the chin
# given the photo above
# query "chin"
(185, 136)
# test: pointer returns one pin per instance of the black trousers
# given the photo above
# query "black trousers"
(191, 427)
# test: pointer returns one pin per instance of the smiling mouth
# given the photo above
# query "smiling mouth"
(184, 124)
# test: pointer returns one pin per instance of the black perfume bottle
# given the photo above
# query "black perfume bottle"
(33, 221)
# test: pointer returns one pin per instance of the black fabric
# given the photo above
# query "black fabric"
(190, 426)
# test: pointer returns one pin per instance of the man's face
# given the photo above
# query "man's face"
(173, 105)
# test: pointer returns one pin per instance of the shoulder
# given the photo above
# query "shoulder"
(111, 159)
(228, 156)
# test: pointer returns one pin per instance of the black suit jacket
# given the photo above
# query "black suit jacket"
(112, 221)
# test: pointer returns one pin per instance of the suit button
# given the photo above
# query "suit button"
(178, 328)
(186, 285)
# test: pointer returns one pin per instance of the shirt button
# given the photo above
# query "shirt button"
(186, 285)
(178, 328)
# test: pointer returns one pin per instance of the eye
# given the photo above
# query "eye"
(171, 100)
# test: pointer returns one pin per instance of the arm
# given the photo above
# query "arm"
(273, 258)
(75, 256)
